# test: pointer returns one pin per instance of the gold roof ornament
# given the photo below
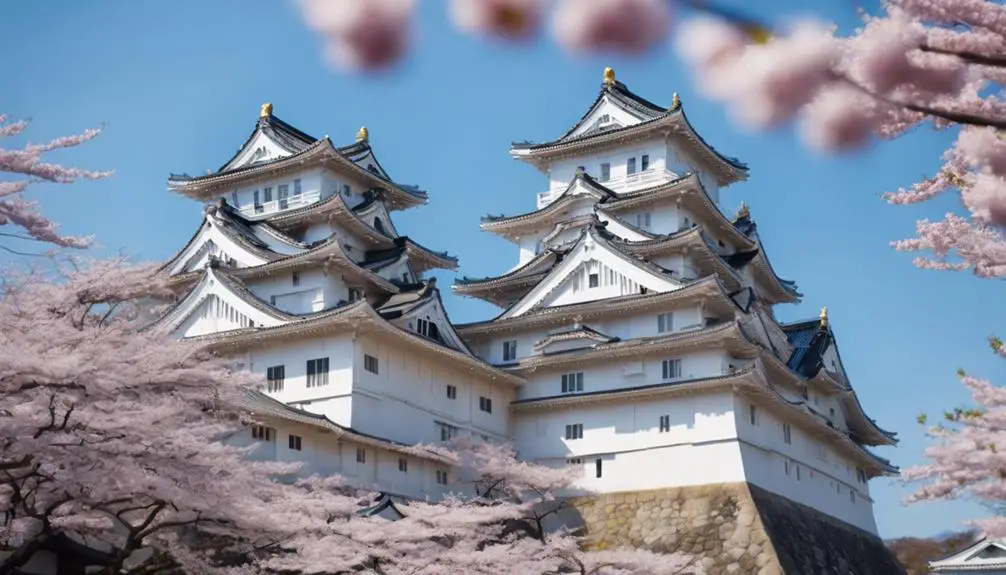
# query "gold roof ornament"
(675, 103)
(609, 76)
(266, 110)
(824, 316)
(362, 135)
(743, 211)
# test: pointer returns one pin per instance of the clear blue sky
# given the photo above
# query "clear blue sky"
(179, 84)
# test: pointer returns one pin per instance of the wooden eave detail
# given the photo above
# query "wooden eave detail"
(332, 209)
(513, 228)
(427, 259)
(329, 254)
(320, 154)
(777, 293)
(664, 126)
(728, 336)
(691, 243)
(361, 319)
(708, 290)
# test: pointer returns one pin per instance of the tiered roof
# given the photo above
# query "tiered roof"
(267, 324)
(790, 355)
(590, 133)
(275, 147)
(259, 248)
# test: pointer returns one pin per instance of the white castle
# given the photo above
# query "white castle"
(637, 339)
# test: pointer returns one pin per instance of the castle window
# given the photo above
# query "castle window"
(852, 495)
(798, 473)
(317, 372)
(593, 280)
(346, 190)
(267, 194)
(263, 433)
(452, 392)
(274, 378)
(296, 187)
(665, 423)
(255, 201)
(643, 221)
(574, 431)
(295, 442)
(441, 477)
(403, 465)
(597, 467)
(753, 414)
(665, 323)
(644, 162)
(295, 278)
(630, 166)
(785, 467)
(234, 199)
(572, 382)
(605, 172)
(370, 364)
(486, 404)
(671, 368)
(447, 432)
(282, 193)
(361, 455)
(378, 225)
(574, 461)
(787, 434)
(510, 350)
(355, 294)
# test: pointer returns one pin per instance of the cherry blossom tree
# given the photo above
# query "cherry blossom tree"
(113, 436)
(506, 518)
(20, 219)
(936, 63)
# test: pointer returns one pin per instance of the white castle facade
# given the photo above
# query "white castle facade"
(637, 339)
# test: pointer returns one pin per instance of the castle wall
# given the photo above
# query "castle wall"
(734, 528)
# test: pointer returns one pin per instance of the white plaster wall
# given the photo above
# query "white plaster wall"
(826, 477)
(324, 454)
(311, 189)
(623, 326)
(562, 172)
(613, 375)
(662, 467)
(410, 392)
(629, 432)
(334, 183)
(316, 291)
(329, 400)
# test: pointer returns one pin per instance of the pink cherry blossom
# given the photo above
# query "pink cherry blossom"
(841, 118)
(361, 34)
(22, 216)
(509, 19)
(631, 26)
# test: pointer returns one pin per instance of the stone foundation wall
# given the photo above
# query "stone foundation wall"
(734, 529)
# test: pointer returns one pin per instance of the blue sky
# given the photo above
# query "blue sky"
(178, 87)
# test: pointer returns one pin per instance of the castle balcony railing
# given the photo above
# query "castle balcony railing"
(631, 182)
(282, 204)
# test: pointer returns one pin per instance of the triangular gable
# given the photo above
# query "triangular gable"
(432, 310)
(261, 148)
(984, 552)
(217, 304)
(377, 212)
(272, 139)
(362, 154)
(574, 338)
(621, 228)
(211, 241)
(606, 114)
(569, 282)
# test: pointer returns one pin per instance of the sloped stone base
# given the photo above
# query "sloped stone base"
(734, 528)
